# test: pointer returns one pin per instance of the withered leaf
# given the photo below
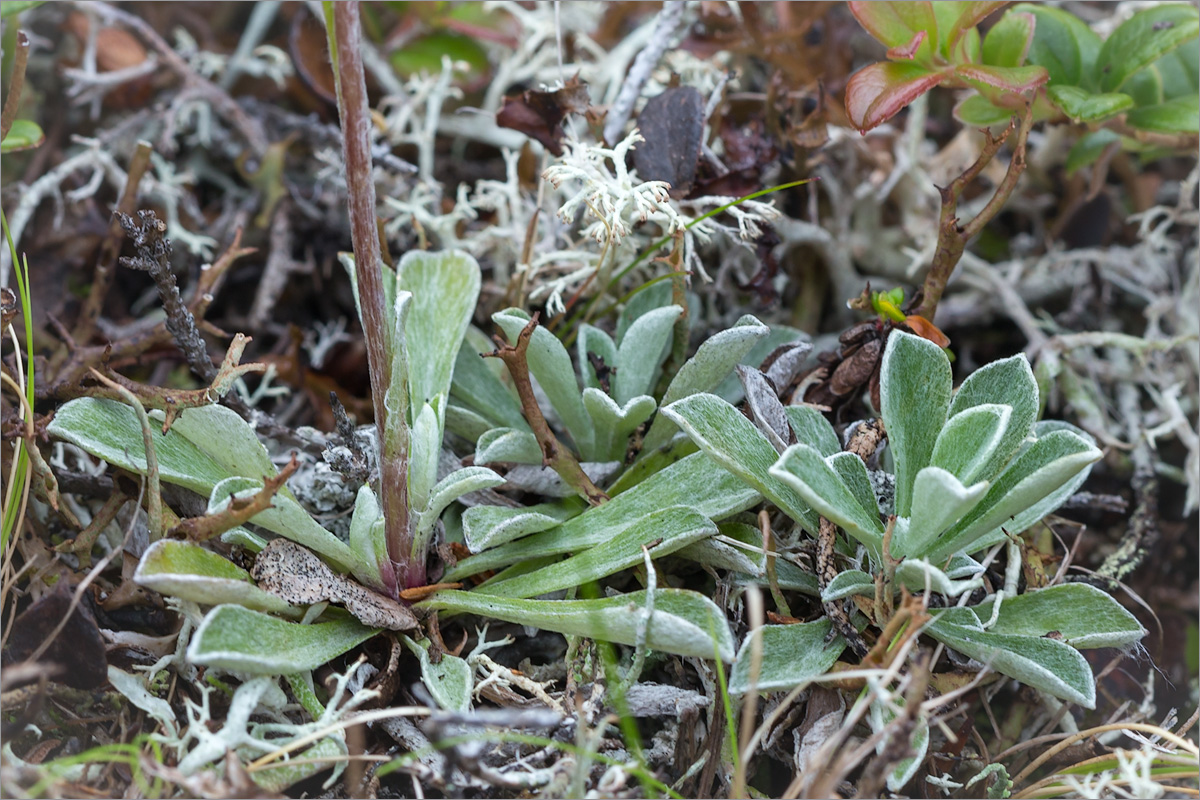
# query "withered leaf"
(540, 114)
(76, 655)
(672, 125)
(856, 370)
(297, 575)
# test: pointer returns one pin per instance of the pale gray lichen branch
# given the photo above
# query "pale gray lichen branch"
(664, 29)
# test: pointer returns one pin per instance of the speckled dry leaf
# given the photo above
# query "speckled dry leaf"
(296, 574)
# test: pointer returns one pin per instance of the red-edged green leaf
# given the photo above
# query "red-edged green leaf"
(1084, 106)
(877, 92)
(1007, 79)
(907, 51)
(1181, 115)
(1143, 39)
(1007, 43)
(962, 17)
(896, 23)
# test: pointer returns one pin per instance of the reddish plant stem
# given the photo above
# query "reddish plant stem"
(355, 113)
(554, 454)
(952, 236)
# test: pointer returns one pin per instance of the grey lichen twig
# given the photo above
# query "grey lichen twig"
(953, 237)
(154, 254)
(668, 21)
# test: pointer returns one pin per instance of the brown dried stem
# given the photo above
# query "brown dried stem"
(238, 512)
(952, 236)
(355, 114)
(554, 454)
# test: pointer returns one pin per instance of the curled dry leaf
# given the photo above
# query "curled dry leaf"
(672, 124)
(540, 114)
(297, 575)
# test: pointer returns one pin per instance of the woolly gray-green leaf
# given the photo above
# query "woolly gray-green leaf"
(449, 681)
(694, 481)
(236, 638)
(367, 535)
(849, 582)
(733, 442)
(491, 526)
(551, 365)
(1009, 382)
(703, 372)
(424, 449)
(230, 440)
(478, 388)
(1086, 617)
(1046, 664)
(683, 622)
(967, 445)
(939, 501)
(919, 575)
(641, 353)
(466, 422)
(644, 300)
(661, 532)
(593, 340)
(791, 655)
(111, 431)
(811, 476)
(508, 445)
(613, 424)
(811, 428)
(444, 287)
(1046, 465)
(453, 486)
(288, 518)
(188, 571)
(914, 387)
(853, 472)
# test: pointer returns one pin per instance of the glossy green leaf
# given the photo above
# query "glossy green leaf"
(1048, 464)
(25, 134)
(939, 501)
(791, 655)
(733, 442)
(236, 638)
(661, 532)
(592, 340)
(968, 444)
(1180, 70)
(683, 622)
(694, 481)
(424, 54)
(1084, 106)
(1089, 148)
(976, 110)
(1085, 616)
(641, 353)
(181, 569)
(1017, 80)
(1063, 44)
(704, 372)
(15, 7)
(551, 365)
(821, 487)
(1046, 664)
(491, 526)
(1143, 39)
(1008, 41)
(508, 445)
(450, 681)
(956, 24)
(915, 387)
(895, 24)
(1181, 115)
(614, 424)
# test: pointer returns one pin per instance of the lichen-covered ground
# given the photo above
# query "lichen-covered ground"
(506, 130)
